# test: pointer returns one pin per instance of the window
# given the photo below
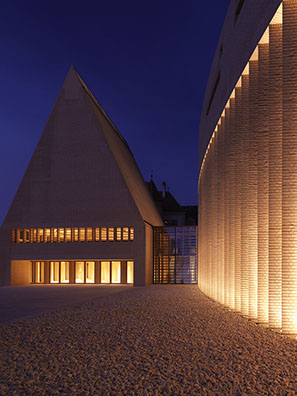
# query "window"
(79, 272)
(13, 235)
(213, 92)
(54, 234)
(47, 235)
(89, 234)
(111, 234)
(125, 234)
(103, 234)
(33, 235)
(20, 235)
(54, 272)
(119, 234)
(40, 235)
(90, 272)
(97, 234)
(116, 272)
(67, 234)
(82, 234)
(61, 234)
(105, 272)
(238, 9)
(27, 236)
(75, 234)
(64, 268)
(131, 234)
(38, 271)
(130, 272)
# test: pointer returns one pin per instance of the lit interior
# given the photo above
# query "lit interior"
(79, 272)
(54, 271)
(90, 272)
(105, 271)
(39, 272)
(64, 271)
(116, 271)
(130, 271)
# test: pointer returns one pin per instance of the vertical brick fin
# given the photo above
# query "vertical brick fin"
(225, 125)
(275, 175)
(231, 202)
(215, 209)
(289, 171)
(253, 191)
(263, 172)
(221, 225)
(244, 196)
(238, 179)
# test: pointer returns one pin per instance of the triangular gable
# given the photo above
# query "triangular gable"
(82, 171)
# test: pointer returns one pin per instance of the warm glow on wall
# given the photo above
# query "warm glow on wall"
(247, 199)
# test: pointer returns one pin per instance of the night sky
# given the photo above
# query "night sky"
(146, 62)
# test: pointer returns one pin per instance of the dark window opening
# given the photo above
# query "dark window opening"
(238, 9)
(213, 92)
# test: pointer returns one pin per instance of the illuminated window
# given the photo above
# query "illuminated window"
(105, 271)
(13, 236)
(75, 234)
(54, 272)
(40, 235)
(67, 234)
(111, 234)
(90, 272)
(129, 271)
(125, 234)
(38, 270)
(89, 234)
(103, 234)
(54, 234)
(131, 234)
(61, 235)
(26, 235)
(47, 235)
(82, 234)
(119, 234)
(97, 234)
(79, 272)
(64, 271)
(20, 235)
(33, 235)
(116, 272)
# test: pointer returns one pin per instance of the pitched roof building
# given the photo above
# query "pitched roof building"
(82, 212)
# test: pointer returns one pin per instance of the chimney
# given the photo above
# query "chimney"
(164, 189)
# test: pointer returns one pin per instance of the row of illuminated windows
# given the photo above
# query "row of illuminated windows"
(74, 234)
(84, 272)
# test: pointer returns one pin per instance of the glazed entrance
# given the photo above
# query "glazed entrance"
(82, 272)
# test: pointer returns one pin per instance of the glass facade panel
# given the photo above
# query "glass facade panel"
(79, 272)
(64, 271)
(130, 271)
(105, 271)
(116, 272)
(54, 272)
(90, 272)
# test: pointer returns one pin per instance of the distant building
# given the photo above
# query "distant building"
(82, 213)
(172, 213)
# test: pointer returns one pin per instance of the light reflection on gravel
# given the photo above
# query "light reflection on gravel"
(146, 341)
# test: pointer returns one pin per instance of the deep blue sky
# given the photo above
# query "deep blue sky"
(147, 63)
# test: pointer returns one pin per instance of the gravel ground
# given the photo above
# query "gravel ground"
(146, 341)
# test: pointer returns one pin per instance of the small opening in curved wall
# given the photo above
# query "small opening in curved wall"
(213, 91)
(238, 9)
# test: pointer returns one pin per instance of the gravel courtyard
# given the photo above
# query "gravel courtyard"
(145, 341)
